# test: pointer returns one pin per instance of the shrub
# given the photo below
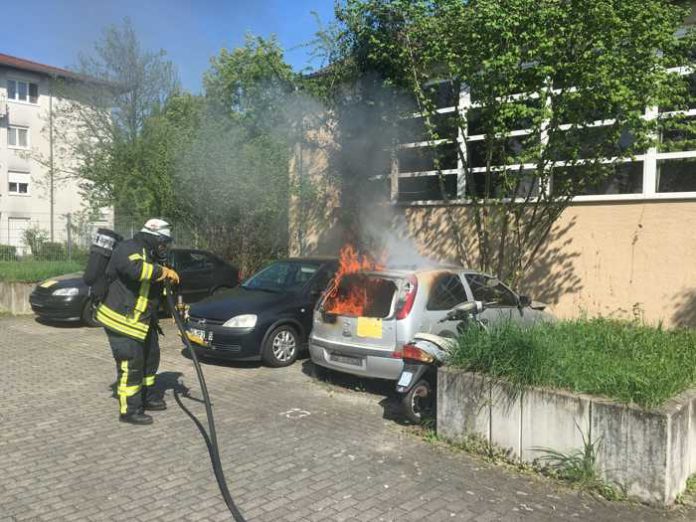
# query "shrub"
(50, 251)
(8, 253)
(624, 361)
(34, 238)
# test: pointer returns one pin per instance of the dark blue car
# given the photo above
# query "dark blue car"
(67, 298)
(268, 317)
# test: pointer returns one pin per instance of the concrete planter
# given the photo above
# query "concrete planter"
(14, 297)
(649, 453)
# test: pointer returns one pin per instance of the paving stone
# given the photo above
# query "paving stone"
(65, 456)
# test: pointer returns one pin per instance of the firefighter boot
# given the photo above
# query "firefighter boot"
(138, 418)
(151, 401)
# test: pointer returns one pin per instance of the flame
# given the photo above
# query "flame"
(354, 300)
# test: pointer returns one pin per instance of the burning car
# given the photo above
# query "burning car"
(365, 317)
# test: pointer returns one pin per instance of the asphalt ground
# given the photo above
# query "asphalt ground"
(293, 448)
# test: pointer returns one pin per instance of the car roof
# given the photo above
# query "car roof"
(313, 259)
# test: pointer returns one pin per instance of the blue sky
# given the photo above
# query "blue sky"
(190, 31)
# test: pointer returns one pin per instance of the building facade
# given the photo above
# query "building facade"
(35, 191)
(625, 248)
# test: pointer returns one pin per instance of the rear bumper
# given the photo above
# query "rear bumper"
(372, 363)
(56, 308)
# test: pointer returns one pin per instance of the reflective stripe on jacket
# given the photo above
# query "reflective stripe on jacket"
(134, 293)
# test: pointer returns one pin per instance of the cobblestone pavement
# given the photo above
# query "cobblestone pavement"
(292, 448)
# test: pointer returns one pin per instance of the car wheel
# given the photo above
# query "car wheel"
(419, 403)
(88, 314)
(281, 347)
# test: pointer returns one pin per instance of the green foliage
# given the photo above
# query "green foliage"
(624, 361)
(50, 251)
(35, 271)
(579, 467)
(551, 67)
(34, 238)
(111, 128)
(251, 84)
(8, 253)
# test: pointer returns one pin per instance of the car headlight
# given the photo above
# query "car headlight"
(66, 292)
(241, 321)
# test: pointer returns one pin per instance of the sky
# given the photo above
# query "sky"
(191, 32)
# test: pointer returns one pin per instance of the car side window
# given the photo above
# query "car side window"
(193, 261)
(321, 281)
(447, 292)
(489, 290)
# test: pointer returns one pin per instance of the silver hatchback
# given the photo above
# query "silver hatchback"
(396, 304)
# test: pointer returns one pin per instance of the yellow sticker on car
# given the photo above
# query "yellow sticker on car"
(49, 283)
(369, 327)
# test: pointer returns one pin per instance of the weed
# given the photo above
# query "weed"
(625, 361)
(579, 467)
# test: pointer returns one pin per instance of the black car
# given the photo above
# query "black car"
(268, 317)
(67, 298)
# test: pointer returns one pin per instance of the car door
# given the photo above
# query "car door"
(501, 302)
(195, 270)
(446, 292)
(312, 292)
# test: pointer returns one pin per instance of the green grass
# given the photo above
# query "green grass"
(34, 271)
(623, 361)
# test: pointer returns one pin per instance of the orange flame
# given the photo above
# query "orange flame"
(354, 300)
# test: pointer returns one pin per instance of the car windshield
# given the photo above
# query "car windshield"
(281, 277)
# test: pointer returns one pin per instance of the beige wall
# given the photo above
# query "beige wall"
(621, 260)
(609, 259)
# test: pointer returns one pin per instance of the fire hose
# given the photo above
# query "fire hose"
(211, 435)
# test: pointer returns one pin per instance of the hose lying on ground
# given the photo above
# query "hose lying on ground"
(211, 437)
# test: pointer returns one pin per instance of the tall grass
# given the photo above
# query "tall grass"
(34, 271)
(623, 361)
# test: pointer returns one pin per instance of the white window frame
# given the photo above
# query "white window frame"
(28, 83)
(17, 128)
(20, 177)
(649, 159)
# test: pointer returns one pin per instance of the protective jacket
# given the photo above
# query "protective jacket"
(134, 294)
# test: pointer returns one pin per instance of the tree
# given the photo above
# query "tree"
(106, 124)
(573, 76)
(234, 177)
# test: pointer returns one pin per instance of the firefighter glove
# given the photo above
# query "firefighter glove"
(168, 273)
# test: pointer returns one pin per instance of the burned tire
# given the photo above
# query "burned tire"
(88, 314)
(419, 403)
(281, 347)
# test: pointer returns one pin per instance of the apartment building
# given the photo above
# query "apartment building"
(33, 191)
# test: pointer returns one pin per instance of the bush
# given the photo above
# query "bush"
(34, 238)
(627, 362)
(50, 251)
(8, 253)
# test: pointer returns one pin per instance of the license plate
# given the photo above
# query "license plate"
(203, 334)
(405, 378)
(346, 359)
(369, 327)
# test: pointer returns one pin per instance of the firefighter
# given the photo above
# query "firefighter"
(136, 273)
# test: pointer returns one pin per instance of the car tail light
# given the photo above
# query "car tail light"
(407, 299)
(409, 351)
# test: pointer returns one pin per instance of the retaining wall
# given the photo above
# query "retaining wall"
(648, 453)
(14, 297)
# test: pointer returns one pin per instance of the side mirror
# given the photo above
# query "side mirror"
(467, 307)
(524, 301)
